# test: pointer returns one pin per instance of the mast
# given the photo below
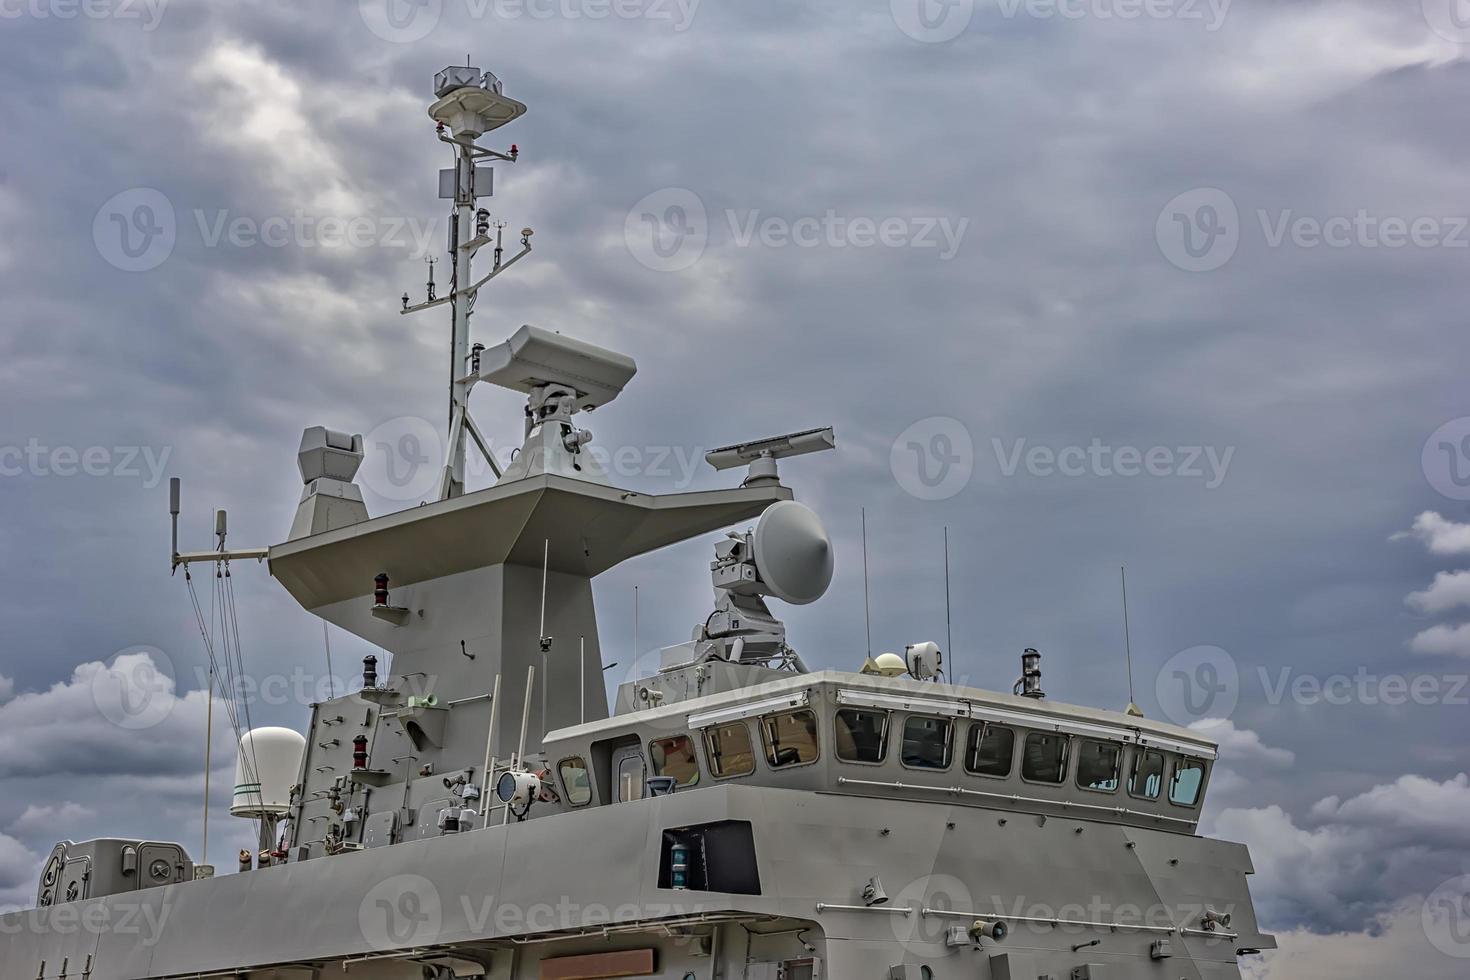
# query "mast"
(470, 103)
(460, 224)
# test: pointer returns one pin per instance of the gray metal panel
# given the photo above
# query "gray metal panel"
(507, 523)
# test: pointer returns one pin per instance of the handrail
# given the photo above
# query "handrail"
(1013, 798)
(1136, 927)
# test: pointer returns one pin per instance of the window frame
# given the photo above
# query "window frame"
(617, 775)
(887, 732)
(653, 767)
(566, 787)
(1066, 760)
(709, 753)
(948, 742)
(1139, 754)
(985, 728)
(766, 747)
(1199, 793)
(1117, 767)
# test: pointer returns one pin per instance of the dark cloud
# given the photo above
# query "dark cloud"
(1059, 322)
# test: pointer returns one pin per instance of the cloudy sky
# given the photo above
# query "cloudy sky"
(1176, 284)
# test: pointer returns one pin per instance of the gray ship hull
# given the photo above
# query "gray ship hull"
(501, 901)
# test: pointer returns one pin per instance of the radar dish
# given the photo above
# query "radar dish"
(793, 553)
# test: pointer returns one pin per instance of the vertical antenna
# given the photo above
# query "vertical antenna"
(1133, 708)
(867, 612)
(948, 629)
(488, 775)
(208, 753)
(327, 640)
(173, 509)
(545, 567)
(545, 640)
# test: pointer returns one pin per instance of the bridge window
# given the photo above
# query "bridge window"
(1148, 775)
(991, 750)
(1045, 758)
(862, 736)
(1099, 765)
(790, 738)
(575, 781)
(926, 742)
(729, 750)
(1189, 779)
(632, 777)
(675, 757)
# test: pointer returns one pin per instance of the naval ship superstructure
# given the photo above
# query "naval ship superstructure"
(478, 811)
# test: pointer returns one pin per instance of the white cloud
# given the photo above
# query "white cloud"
(18, 873)
(1355, 860)
(1448, 590)
(51, 819)
(1441, 535)
(1452, 641)
(126, 719)
(1241, 746)
(1417, 810)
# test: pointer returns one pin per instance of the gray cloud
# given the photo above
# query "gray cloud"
(1061, 320)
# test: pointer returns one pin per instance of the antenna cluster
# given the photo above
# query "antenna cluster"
(470, 103)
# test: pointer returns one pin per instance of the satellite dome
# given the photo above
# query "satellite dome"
(890, 665)
(266, 767)
(793, 553)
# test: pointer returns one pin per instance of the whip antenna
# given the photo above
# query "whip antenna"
(1133, 708)
(948, 627)
(867, 612)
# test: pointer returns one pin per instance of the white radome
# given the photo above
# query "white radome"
(891, 665)
(267, 766)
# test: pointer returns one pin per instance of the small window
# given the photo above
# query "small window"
(632, 778)
(1045, 758)
(991, 750)
(1189, 779)
(675, 757)
(1099, 765)
(1148, 775)
(926, 742)
(862, 736)
(575, 781)
(791, 739)
(729, 750)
